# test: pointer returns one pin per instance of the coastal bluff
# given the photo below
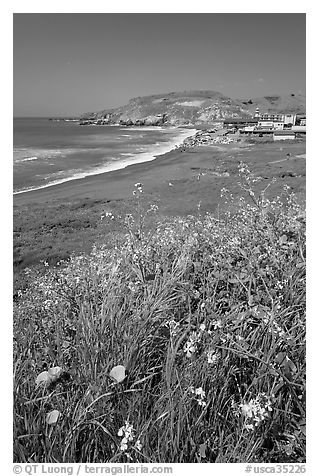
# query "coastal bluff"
(191, 108)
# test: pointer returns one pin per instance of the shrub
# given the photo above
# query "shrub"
(205, 318)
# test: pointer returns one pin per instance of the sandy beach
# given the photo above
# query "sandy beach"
(180, 168)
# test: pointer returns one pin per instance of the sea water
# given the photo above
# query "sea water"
(47, 153)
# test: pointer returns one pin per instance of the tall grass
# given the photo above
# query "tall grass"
(206, 314)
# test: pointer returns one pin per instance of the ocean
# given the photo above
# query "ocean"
(47, 153)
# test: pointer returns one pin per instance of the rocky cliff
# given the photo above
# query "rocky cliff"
(190, 108)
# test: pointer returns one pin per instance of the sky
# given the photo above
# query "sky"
(66, 64)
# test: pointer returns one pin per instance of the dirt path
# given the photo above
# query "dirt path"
(301, 156)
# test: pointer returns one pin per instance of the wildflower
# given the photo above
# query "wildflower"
(108, 215)
(199, 391)
(202, 327)
(217, 324)
(52, 417)
(123, 445)
(48, 376)
(153, 208)
(200, 394)
(247, 409)
(138, 186)
(189, 349)
(132, 287)
(255, 411)
(173, 327)
(138, 445)
(191, 345)
(117, 374)
(212, 357)
(248, 426)
(128, 433)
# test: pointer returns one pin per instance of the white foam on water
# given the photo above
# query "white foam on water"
(148, 128)
(28, 159)
(28, 155)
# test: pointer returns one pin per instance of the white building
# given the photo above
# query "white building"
(265, 124)
(278, 125)
(298, 128)
(290, 119)
(284, 135)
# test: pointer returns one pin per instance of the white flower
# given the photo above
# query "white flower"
(249, 426)
(173, 326)
(189, 349)
(48, 376)
(217, 324)
(128, 431)
(52, 417)
(201, 403)
(246, 410)
(138, 445)
(200, 391)
(212, 357)
(138, 186)
(200, 394)
(255, 411)
(117, 373)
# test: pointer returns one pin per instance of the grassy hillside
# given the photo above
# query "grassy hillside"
(204, 315)
(176, 108)
(290, 103)
(195, 108)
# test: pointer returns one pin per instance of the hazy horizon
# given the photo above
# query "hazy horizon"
(68, 64)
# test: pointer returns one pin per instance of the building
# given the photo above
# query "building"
(256, 131)
(237, 122)
(265, 122)
(257, 113)
(272, 117)
(299, 129)
(284, 135)
(289, 120)
(274, 124)
(301, 120)
(278, 126)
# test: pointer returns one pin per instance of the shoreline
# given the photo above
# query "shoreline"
(92, 185)
(135, 158)
(178, 166)
(53, 223)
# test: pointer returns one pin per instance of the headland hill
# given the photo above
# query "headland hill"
(159, 310)
(52, 223)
